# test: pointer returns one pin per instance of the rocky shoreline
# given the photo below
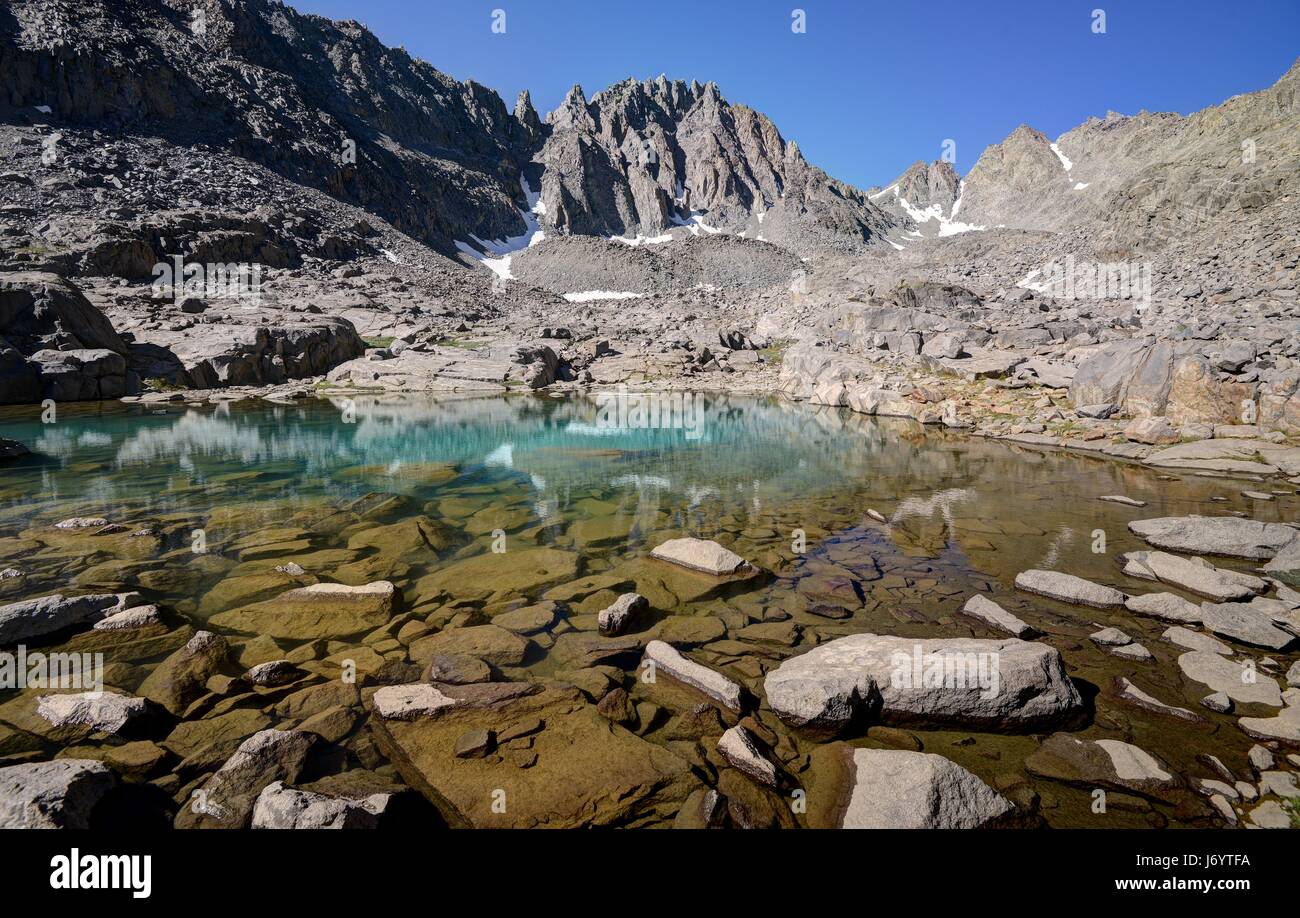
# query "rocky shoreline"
(243, 715)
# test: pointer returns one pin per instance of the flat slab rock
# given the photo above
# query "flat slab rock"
(900, 789)
(1005, 684)
(1168, 607)
(1069, 588)
(701, 555)
(1284, 728)
(1229, 454)
(580, 769)
(993, 615)
(1197, 577)
(1228, 536)
(1245, 623)
(1130, 693)
(321, 610)
(1241, 684)
(1195, 640)
(1101, 763)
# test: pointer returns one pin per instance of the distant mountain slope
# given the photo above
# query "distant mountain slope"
(326, 105)
(1147, 179)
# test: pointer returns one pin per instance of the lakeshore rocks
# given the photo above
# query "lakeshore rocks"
(1130, 693)
(36, 618)
(1195, 640)
(492, 644)
(409, 702)
(701, 555)
(995, 616)
(1228, 536)
(52, 795)
(1200, 578)
(1233, 679)
(1071, 589)
(579, 769)
(280, 807)
(500, 576)
(1101, 763)
(898, 789)
(1006, 684)
(1245, 623)
(105, 712)
(667, 661)
(618, 617)
(183, 676)
(227, 799)
(57, 344)
(1168, 607)
(321, 610)
(1284, 728)
(741, 750)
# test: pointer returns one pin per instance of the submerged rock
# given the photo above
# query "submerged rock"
(1005, 684)
(667, 661)
(1127, 691)
(1101, 763)
(321, 610)
(582, 770)
(995, 616)
(182, 677)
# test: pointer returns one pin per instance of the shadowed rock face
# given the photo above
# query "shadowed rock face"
(325, 104)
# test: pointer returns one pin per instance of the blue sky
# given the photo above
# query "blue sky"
(871, 86)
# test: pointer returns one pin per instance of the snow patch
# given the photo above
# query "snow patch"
(586, 296)
(694, 223)
(1079, 186)
(1065, 161)
(391, 256)
(44, 109)
(502, 248)
(643, 240)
